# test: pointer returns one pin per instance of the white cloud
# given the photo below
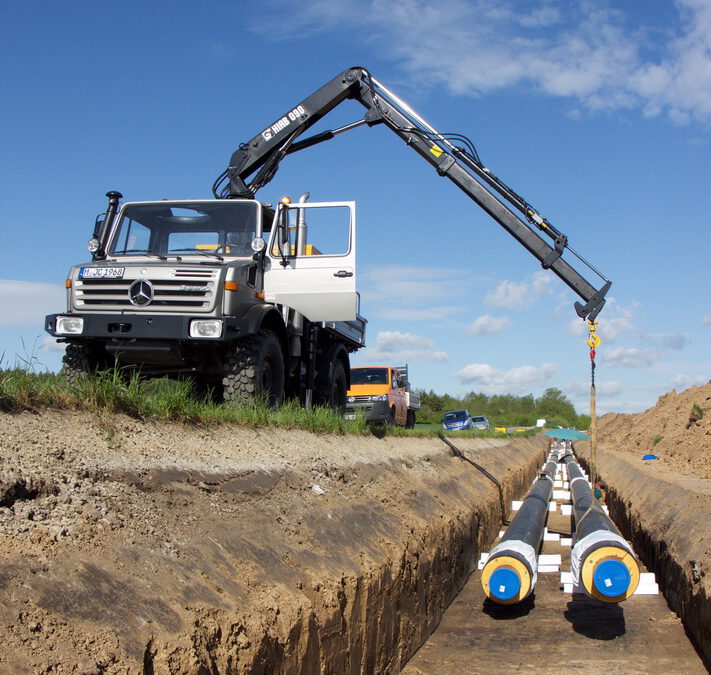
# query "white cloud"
(489, 380)
(615, 321)
(520, 294)
(488, 325)
(25, 303)
(580, 388)
(50, 344)
(615, 326)
(670, 340)
(577, 327)
(706, 321)
(682, 381)
(631, 357)
(434, 313)
(402, 293)
(596, 55)
(392, 346)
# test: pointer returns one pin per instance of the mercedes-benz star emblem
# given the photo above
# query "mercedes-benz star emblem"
(140, 292)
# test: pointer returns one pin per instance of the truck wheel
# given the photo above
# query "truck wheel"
(254, 367)
(332, 393)
(78, 362)
(410, 424)
(391, 421)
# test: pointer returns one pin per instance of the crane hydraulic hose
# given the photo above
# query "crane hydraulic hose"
(510, 572)
(601, 560)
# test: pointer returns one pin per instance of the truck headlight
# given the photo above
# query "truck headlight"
(206, 328)
(379, 397)
(69, 325)
(351, 399)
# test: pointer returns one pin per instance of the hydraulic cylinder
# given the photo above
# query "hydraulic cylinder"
(510, 572)
(601, 561)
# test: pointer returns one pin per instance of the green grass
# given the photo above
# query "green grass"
(112, 392)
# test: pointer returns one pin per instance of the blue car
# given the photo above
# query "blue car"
(461, 420)
(457, 420)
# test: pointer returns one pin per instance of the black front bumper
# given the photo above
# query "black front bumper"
(378, 411)
(144, 327)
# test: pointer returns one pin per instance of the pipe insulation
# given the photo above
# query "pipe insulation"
(510, 572)
(601, 561)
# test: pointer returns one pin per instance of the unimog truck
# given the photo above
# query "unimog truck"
(250, 300)
(245, 299)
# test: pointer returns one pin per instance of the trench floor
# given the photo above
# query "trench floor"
(554, 632)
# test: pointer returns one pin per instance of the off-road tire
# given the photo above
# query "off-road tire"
(331, 383)
(410, 424)
(79, 361)
(333, 392)
(254, 368)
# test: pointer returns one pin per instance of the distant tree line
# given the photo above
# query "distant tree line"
(506, 410)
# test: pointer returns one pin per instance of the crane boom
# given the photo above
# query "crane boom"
(259, 160)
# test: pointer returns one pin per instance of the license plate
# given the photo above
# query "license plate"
(349, 417)
(101, 272)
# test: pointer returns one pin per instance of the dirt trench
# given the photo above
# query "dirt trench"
(145, 547)
(667, 518)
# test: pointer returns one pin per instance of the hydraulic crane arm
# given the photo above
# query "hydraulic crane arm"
(260, 158)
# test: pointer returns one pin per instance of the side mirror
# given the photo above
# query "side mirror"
(100, 219)
(284, 226)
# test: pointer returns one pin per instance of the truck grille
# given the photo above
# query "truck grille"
(190, 290)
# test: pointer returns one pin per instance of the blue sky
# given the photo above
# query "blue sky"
(598, 113)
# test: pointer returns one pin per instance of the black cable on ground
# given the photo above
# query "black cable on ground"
(458, 453)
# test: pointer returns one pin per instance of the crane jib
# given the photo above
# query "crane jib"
(254, 164)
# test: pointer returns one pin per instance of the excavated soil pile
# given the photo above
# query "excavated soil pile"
(672, 430)
(663, 505)
(130, 546)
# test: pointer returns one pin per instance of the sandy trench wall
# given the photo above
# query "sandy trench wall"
(181, 563)
(666, 516)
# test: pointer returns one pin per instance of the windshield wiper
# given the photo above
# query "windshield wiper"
(133, 251)
(198, 251)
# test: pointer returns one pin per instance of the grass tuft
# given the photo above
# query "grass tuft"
(117, 391)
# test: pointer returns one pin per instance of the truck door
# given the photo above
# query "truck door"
(310, 260)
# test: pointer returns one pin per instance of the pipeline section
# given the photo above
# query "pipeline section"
(601, 561)
(510, 572)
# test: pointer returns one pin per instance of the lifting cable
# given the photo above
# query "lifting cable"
(593, 341)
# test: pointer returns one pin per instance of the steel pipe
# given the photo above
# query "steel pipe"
(601, 561)
(510, 572)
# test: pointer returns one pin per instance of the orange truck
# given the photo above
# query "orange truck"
(382, 395)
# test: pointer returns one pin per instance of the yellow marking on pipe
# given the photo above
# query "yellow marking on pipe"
(513, 564)
(599, 555)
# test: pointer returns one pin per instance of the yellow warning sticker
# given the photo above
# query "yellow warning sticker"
(436, 150)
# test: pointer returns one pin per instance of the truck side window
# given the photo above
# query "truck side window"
(327, 231)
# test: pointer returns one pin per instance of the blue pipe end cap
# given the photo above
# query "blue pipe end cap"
(504, 583)
(611, 578)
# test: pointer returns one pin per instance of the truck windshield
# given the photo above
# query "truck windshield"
(369, 376)
(224, 228)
